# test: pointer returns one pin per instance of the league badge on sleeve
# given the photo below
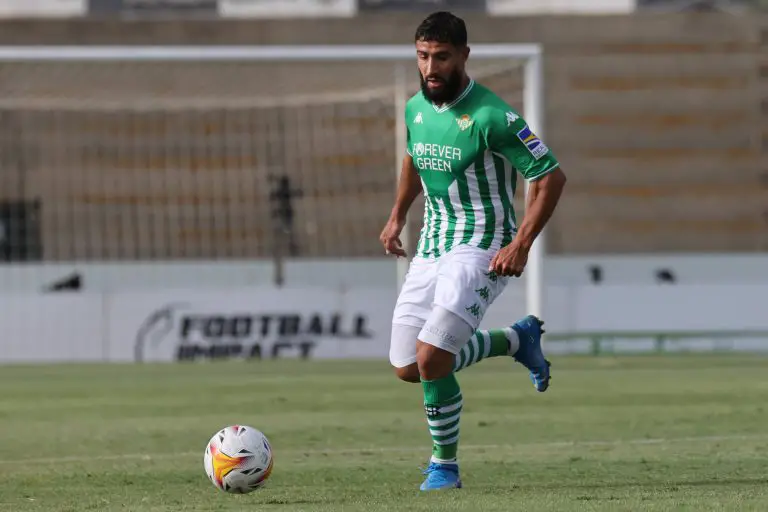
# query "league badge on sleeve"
(537, 148)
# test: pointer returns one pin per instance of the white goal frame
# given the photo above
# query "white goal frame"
(533, 93)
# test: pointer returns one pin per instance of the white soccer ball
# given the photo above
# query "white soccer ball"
(238, 459)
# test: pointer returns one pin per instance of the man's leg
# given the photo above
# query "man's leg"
(414, 305)
(522, 341)
(485, 344)
(482, 345)
(439, 342)
(466, 288)
(402, 352)
(463, 291)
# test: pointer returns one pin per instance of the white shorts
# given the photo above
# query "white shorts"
(457, 282)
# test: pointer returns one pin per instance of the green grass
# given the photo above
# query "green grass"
(632, 433)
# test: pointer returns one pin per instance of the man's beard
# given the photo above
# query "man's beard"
(447, 94)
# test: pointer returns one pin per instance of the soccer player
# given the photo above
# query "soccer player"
(465, 148)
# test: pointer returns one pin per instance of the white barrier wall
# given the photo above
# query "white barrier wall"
(643, 269)
(362, 272)
(196, 324)
(51, 328)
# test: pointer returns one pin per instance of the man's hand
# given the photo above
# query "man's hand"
(390, 237)
(510, 260)
(543, 195)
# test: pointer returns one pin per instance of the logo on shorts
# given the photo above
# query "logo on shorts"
(492, 276)
(444, 336)
(484, 293)
(474, 310)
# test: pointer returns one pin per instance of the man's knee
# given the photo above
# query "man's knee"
(433, 362)
(408, 373)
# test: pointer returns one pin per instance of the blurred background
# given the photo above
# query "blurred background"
(228, 205)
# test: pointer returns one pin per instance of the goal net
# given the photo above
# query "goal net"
(167, 153)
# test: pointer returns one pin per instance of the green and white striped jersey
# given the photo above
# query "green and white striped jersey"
(468, 154)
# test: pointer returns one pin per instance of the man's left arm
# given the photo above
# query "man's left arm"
(543, 196)
(510, 136)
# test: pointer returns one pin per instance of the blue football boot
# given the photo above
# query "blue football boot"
(441, 476)
(529, 331)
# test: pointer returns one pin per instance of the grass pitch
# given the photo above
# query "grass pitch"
(633, 433)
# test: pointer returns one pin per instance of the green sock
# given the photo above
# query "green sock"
(483, 344)
(442, 403)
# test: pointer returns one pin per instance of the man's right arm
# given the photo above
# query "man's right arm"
(408, 189)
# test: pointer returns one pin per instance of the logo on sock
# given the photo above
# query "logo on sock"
(432, 411)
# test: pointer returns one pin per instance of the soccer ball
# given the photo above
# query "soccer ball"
(238, 459)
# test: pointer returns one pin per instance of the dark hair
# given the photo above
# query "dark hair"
(443, 27)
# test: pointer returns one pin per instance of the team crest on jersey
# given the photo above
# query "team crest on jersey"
(537, 148)
(464, 122)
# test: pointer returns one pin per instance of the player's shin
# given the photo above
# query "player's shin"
(442, 403)
(485, 344)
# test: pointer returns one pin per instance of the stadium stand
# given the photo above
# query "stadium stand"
(647, 123)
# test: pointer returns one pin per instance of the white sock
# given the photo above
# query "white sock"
(514, 340)
(442, 461)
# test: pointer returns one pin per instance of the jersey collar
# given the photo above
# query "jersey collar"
(450, 105)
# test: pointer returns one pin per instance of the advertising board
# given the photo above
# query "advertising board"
(249, 324)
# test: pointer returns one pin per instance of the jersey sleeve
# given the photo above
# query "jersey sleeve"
(408, 140)
(408, 148)
(509, 135)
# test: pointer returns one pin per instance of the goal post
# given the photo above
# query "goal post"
(121, 87)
